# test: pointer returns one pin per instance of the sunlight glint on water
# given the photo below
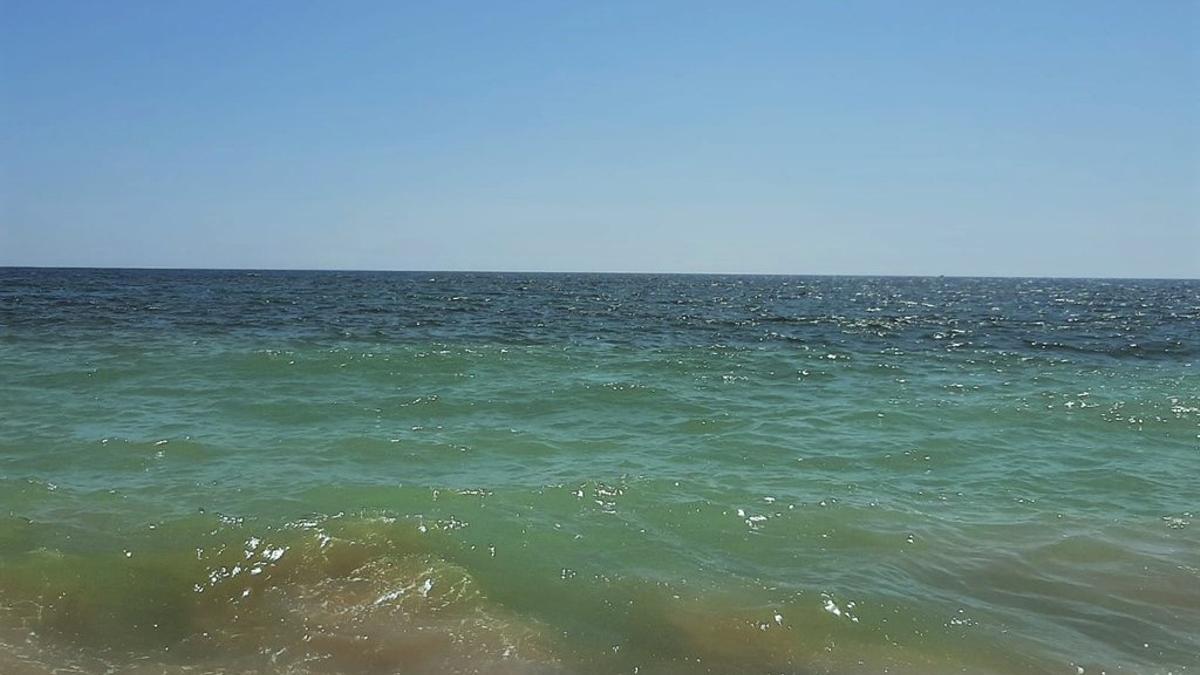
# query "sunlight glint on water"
(357, 472)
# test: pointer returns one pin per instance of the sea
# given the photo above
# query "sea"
(436, 472)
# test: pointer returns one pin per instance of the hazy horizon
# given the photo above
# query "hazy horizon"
(335, 270)
(850, 139)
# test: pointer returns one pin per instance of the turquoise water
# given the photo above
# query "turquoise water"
(423, 473)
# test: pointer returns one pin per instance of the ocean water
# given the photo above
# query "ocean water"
(322, 472)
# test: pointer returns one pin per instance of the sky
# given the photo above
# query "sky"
(959, 138)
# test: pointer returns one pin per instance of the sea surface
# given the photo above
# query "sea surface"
(328, 472)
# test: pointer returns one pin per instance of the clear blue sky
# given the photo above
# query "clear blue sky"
(1003, 138)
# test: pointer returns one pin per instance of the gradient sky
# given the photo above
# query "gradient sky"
(964, 138)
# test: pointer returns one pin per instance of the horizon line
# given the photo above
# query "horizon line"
(164, 268)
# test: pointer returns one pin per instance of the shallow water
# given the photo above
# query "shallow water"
(428, 472)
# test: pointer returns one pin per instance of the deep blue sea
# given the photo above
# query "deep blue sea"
(360, 472)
